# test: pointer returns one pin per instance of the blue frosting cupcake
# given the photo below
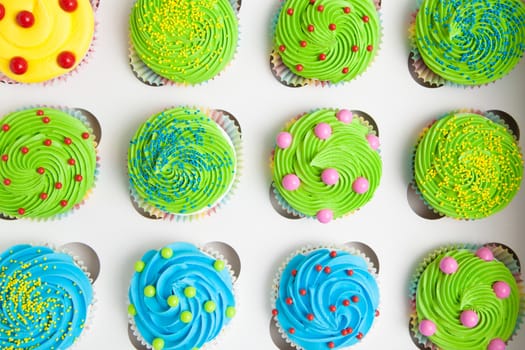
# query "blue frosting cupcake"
(325, 299)
(180, 298)
(45, 298)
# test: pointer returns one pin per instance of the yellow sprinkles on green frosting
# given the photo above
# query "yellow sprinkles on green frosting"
(467, 166)
(184, 41)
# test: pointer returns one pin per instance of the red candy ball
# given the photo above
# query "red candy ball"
(2, 11)
(46, 120)
(327, 269)
(349, 272)
(18, 65)
(21, 211)
(289, 11)
(310, 28)
(68, 5)
(85, 135)
(5, 127)
(312, 2)
(25, 19)
(63, 203)
(310, 317)
(333, 254)
(71, 161)
(346, 302)
(78, 178)
(40, 112)
(66, 59)
(366, 19)
(282, 48)
(345, 70)
(68, 141)
(322, 57)
(355, 48)
(275, 312)
(40, 170)
(331, 345)
(359, 336)
(7, 182)
(58, 185)
(332, 26)
(289, 301)
(48, 142)
(294, 272)
(43, 196)
(302, 292)
(320, 8)
(318, 268)
(5, 157)
(355, 299)
(332, 308)
(303, 43)
(346, 10)
(24, 150)
(291, 330)
(369, 48)
(299, 67)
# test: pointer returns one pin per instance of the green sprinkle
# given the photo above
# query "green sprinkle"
(209, 306)
(139, 266)
(186, 316)
(190, 292)
(173, 301)
(158, 344)
(149, 291)
(230, 311)
(131, 310)
(218, 265)
(166, 252)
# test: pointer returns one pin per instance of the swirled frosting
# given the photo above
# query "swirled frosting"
(180, 298)
(180, 161)
(443, 297)
(471, 42)
(47, 163)
(185, 41)
(326, 299)
(44, 299)
(41, 40)
(328, 40)
(466, 166)
(346, 150)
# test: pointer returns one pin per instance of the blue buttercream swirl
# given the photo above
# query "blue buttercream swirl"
(326, 299)
(185, 269)
(44, 299)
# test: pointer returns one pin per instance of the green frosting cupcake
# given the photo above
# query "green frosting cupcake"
(465, 299)
(327, 40)
(48, 162)
(467, 166)
(470, 42)
(326, 164)
(184, 41)
(180, 162)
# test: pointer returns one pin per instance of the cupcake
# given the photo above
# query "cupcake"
(480, 298)
(48, 162)
(325, 298)
(326, 164)
(466, 42)
(183, 163)
(45, 297)
(467, 165)
(183, 42)
(42, 41)
(324, 41)
(180, 298)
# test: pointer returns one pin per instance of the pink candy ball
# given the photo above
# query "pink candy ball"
(448, 265)
(291, 182)
(330, 176)
(325, 216)
(427, 328)
(485, 253)
(284, 139)
(373, 141)
(501, 289)
(360, 185)
(469, 318)
(345, 116)
(496, 344)
(323, 131)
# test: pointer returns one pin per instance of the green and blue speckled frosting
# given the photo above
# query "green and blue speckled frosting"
(44, 299)
(180, 298)
(470, 42)
(180, 162)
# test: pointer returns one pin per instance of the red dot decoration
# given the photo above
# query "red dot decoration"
(350, 272)
(40, 112)
(346, 10)
(275, 312)
(377, 313)
(21, 211)
(5, 127)
(7, 182)
(63, 203)
(303, 43)
(332, 308)
(332, 26)
(310, 317)
(78, 178)
(66, 59)
(71, 161)
(359, 336)
(5, 157)
(18, 65)
(299, 67)
(282, 48)
(318, 268)
(302, 292)
(58, 185)
(289, 301)
(24, 150)
(345, 70)
(331, 345)
(349, 330)
(294, 272)
(346, 302)
(85, 135)
(355, 299)
(68, 141)
(369, 48)
(46, 120)
(2, 11)
(355, 48)
(310, 28)
(327, 270)
(40, 170)
(68, 5)
(333, 254)
(43, 196)
(25, 19)
(312, 2)
(322, 57)
(48, 142)
(320, 8)
(289, 11)
(366, 19)
(291, 330)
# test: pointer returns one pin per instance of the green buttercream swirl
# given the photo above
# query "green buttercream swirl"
(180, 161)
(185, 41)
(471, 42)
(346, 150)
(468, 167)
(441, 298)
(27, 129)
(350, 30)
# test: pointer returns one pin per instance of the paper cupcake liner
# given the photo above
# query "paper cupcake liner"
(274, 293)
(230, 125)
(87, 57)
(291, 212)
(93, 125)
(147, 76)
(288, 78)
(492, 115)
(501, 253)
(224, 331)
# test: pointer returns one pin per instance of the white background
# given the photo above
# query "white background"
(262, 238)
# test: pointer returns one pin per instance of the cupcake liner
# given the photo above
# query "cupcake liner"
(206, 249)
(501, 253)
(496, 116)
(286, 77)
(280, 204)
(274, 293)
(87, 57)
(93, 125)
(231, 127)
(147, 76)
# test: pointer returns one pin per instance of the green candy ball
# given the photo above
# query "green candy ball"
(158, 344)
(166, 252)
(186, 316)
(173, 301)
(219, 265)
(139, 266)
(209, 306)
(149, 291)
(131, 310)
(190, 292)
(230, 311)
